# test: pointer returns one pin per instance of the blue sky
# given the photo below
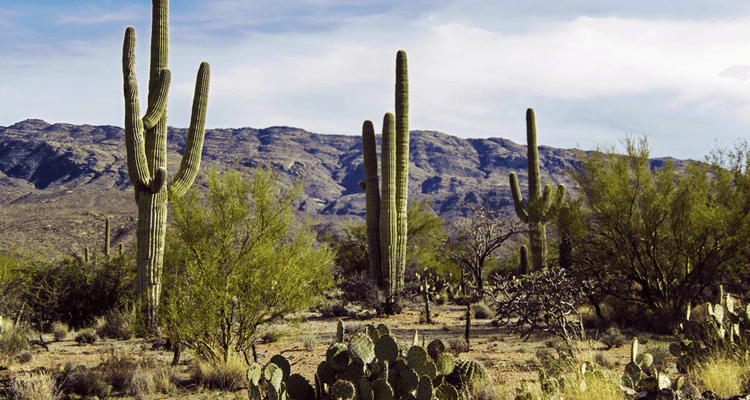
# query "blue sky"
(594, 71)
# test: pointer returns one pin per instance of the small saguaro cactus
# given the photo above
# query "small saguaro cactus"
(146, 147)
(524, 260)
(106, 238)
(387, 204)
(540, 208)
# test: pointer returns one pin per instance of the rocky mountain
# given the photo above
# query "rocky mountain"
(58, 182)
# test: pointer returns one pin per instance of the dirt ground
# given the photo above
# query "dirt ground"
(508, 358)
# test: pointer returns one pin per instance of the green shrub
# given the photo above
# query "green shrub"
(458, 345)
(86, 336)
(36, 387)
(310, 341)
(218, 375)
(13, 339)
(273, 335)
(612, 337)
(60, 331)
(77, 292)
(481, 311)
(117, 324)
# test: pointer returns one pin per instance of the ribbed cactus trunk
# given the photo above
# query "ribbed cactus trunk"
(387, 204)
(106, 239)
(539, 208)
(388, 209)
(402, 167)
(147, 155)
(372, 196)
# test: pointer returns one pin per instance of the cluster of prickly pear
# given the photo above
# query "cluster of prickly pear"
(727, 329)
(637, 368)
(370, 366)
(275, 382)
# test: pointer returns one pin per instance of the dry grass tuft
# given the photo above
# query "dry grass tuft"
(150, 378)
(217, 375)
(724, 377)
(37, 387)
(60, 331)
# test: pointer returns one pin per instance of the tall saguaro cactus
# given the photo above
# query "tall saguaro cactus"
(387, 205)
(146, 146)
(540, 208)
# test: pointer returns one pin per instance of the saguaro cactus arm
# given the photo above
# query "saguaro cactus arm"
(135, 143)
(191, 158)
(515, 190)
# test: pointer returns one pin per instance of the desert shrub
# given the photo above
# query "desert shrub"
(218, 375)
(117, 370)
(485, 390)
(461, 300)
(724, 377)
(13, 339)
(597, 387)
(86, 336)
(37, 387)
(612, 337)
(602, 360)
(273, 335)
(361, 289)
(11, 283)
(330, 309)
(60, 330)
(25, 357)
(77, 292)
(241, 233)
(458, 345)
(310, 341)
(117, 324)
(150, 377)
(481, 311)
(663, 359)
(81, 381)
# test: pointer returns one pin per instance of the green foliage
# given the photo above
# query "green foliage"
(239, 258)
(86, 336)
(612, 337)
(481, 311)
(11, 283)
(13, 339)
(652, 234)
(75, 292)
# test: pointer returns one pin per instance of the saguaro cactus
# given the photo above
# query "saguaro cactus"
(539, 209)
(106, 239)
(387, 206)
(146, 146)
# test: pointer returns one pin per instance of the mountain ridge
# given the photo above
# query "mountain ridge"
(42, 163)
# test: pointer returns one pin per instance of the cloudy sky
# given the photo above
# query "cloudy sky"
(593, 70)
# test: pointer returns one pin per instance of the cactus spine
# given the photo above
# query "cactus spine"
(387, 205)
(540, 208)
(146, 146)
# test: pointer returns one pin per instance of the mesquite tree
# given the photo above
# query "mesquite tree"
(146, 146)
